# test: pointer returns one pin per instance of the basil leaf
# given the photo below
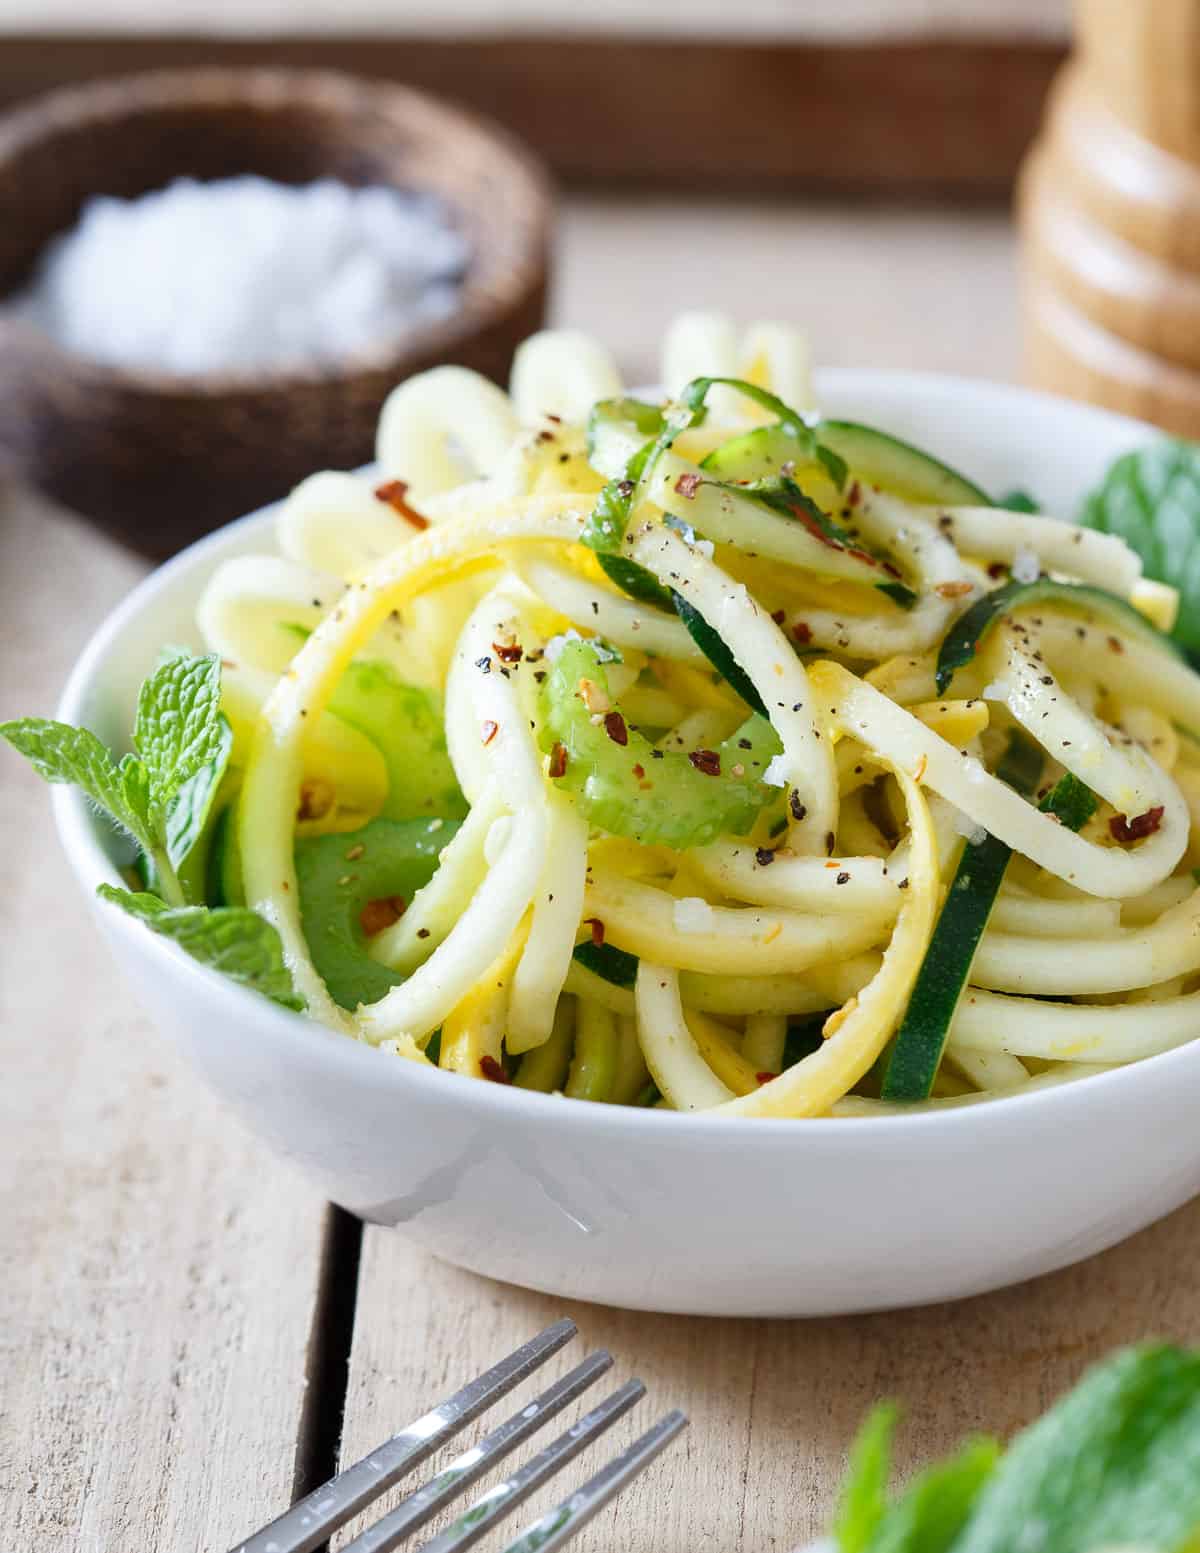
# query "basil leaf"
(1116, 1463)
(231, 939)
(1151, 499)
(179, 728)
(60, 753)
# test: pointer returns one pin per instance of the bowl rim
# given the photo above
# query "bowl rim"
(146, 93)
(92, 866)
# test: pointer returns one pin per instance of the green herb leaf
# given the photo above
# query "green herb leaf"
(863, 1501)
(1151, 500)
(179, 728)
(189, 810)
(930, 1514)
(1018, 501)
(60, 753)
(1115, 1464)
(231, 939)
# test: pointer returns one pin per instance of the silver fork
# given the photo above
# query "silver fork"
(315, 1517)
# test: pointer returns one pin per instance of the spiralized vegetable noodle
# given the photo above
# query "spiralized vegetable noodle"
(771, 784)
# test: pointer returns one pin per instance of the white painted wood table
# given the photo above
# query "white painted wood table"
(182, 1321)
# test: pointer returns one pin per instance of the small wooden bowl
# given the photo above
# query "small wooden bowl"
(159, 459)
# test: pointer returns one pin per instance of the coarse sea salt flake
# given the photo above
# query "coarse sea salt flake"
(691, 914)
(776, 774)
(245, 274)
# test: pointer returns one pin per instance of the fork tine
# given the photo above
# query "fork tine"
(312, 1519)
(559, 1526)
(506, 1496)
(467, 1468)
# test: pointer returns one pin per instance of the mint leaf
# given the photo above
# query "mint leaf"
(1115, 1463)
(190, 808)
(60, 753)
(179, 727)
(1151, 500)
(863, 1500)
(933, 1509)
(231, 939)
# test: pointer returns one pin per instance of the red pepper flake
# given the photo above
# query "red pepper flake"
(508, 652)
(489, 730)
(394, 492)
(597, 930)
(687, 486)
(316, 799)
(558, 760)
(380, 914)
(797, 808)
(953, 590)
(830, 841)
(706, 761)
(614, 727)
(778, 616)
(1115, 644)
(765, 1078)
(802, 633)
(764, 856)
(493, 1070)
(855, 494)
(639, 771)
(997, 570)
(1123, 829)
(842, 878)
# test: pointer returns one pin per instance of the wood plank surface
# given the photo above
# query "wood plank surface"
(773, 1404)
(926, 114)
(160, 1267)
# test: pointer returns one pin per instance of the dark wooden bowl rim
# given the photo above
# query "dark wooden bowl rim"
(140, 94)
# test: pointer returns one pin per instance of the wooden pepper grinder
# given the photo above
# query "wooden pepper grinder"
(1109, 209)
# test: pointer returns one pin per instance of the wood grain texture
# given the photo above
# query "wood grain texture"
(773, 1404)
(160, 1267)
(1152, 305)
(919, 115)
(1145, 61)
(1140, 193)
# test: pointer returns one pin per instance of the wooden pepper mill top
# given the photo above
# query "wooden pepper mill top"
(1109, 207)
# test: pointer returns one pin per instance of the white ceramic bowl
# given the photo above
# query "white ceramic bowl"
(643, 1208)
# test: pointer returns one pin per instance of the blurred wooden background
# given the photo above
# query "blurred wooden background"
(923, 97)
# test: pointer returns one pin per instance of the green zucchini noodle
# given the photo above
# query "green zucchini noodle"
(770, 785)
